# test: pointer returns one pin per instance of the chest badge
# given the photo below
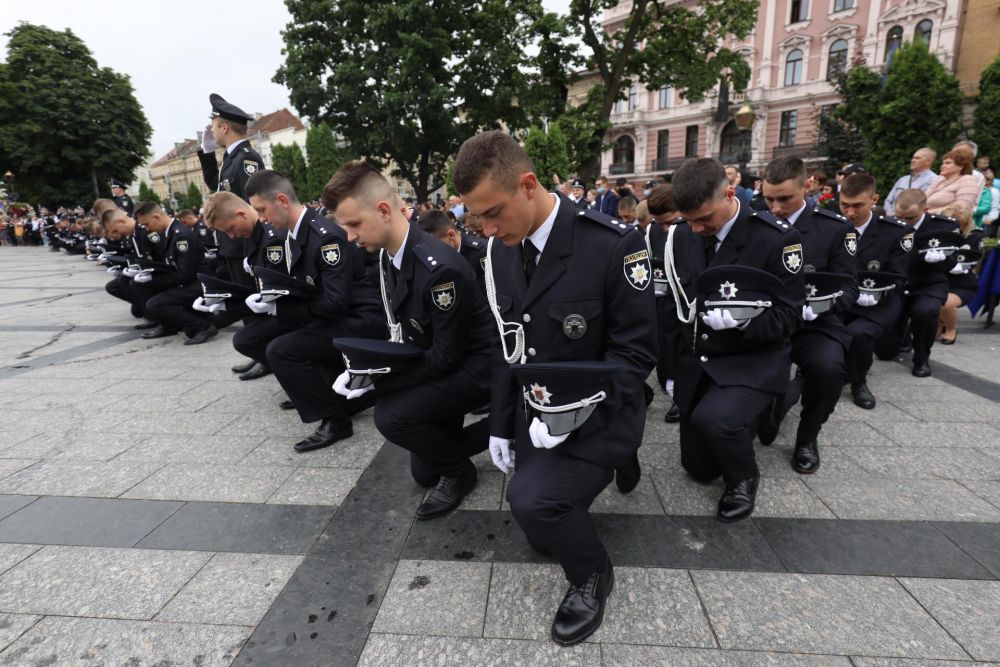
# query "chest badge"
(224, 185)
(851, 243)
(874, 265)
(274, 254)
(443, 296)
(331, 253)
(574, 326)
(791, 257)
(310, 281)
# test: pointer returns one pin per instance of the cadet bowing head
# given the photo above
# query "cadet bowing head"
(366, 207)
(102, 205)
(704, 196)
(230, 215)
(497, 180)
(187, 216)
(911, 205)
(858, 197)
(661, 205)
(785, 186)
(274, 199)
(438, 223)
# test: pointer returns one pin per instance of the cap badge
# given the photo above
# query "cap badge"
(810, 291)
(868, 283)
(728, 290)
(541, 394)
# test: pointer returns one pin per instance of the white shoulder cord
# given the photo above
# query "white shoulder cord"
(670, 269)
(505, 328)
(395, 329)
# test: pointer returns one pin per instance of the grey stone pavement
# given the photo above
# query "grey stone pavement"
(152, 512)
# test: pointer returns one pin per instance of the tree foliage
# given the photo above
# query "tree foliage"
(147, 193)
(290, 161)
(325, 157)
(987, 115)
(192, 198)
(549, 152)
(67, 126)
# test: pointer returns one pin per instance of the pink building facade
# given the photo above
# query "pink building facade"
(795, 49)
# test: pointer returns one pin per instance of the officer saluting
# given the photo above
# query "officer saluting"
(123, 201)
(567, 286)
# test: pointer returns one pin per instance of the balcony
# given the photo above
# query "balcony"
(803, 151)
(622, 168)
(626, 118)
(666, 164)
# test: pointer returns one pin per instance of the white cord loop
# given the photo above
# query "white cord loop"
(568, 407)
(505, 328)
(395, 328)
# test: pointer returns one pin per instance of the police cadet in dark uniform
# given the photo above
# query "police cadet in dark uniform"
(175, 289)
(472, 248)
(884, 244)
(429, 299)
(123, 201)
(570, 285)
(734, 360)
(829, 244)
(578, 194)
(936, 239)
(664, 213)
(139, 243)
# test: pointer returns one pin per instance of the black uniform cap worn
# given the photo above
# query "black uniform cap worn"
(938, 240)
(367, 357)
(223, 109)
(823, 288)
(876, 282)
(275, 283)
(117, 184)
(577, 183)
(853, 168)
(564, 394)
(621, 181)
(742, 290)
(216, 289)
(651, 185)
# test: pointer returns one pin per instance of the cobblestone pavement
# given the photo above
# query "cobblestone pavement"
(152, 512)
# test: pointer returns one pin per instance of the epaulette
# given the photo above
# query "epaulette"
(425, 256)
(893, 221)
(606, 221)
(772, 220)
(944, 218)
(470, 241)
(827, 213)
(321, 225)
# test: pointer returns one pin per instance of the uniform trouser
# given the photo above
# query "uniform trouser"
(172, 307)
(864, 333)
(921, 312)
(427, 421)
(257, 332)
(550, 496)
(821, 361)
(121, 288)
(717, 430)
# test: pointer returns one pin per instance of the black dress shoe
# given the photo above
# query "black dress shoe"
(205, 335)
(737, 501)
(258, 370)
(673, 414)
(582, 609)
(627, 476)
(243, 368)
(767, 424)
(159, 331)
(805, 460)
(863, 397)
(447, 495)
(328, 432)
(286, 404)
(921, 370)
(146, 324)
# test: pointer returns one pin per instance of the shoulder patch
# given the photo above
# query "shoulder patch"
(330, 253)
(605, 221)
(443, 296)
(182, 246)
(791, 257)
(250, 167)
(637, 269)
(851, 242)
(772, 220)
(827, 213)
(153, 237)
(906, 242)
(426, 256)
(275, 253)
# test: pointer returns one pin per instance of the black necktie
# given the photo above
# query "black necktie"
(530, 255)
(709, 249)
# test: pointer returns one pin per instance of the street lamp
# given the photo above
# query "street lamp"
(745, 118)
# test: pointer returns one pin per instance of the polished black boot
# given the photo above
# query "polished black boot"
(258, 370)
(202, 336)
(328, 432)
(627, 476)
(673, 414)
(805, 460)
(582, 609)
(243, 368)
(448, 493)
(160, 331)
(286, 404)
(737, 501)
(863, 397)
(921, 369)
(146, 324)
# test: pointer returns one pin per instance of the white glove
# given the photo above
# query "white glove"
(200, 305)
(934, 256)
(540, 437)
(807, 313)
(207, 140)
(866, 299)
(217, 307)
(959, 270)
(500, 452)
(246, 266)
(143, 277)
(720, 319)
(254, 303)
(211, 254)
(129, 272)
(340, 386)
(115, 270)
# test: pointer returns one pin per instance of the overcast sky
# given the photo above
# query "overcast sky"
(172, 51)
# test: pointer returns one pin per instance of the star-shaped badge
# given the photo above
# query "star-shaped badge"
(810, 291)
(639, 274)
(540, 394)
(443, 299)
(868, 283)
(933, 243)
(794, 260)
(728, 290)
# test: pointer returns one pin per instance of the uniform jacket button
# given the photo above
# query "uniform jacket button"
(704, 358)
(526, 317)
(704, 336)
(531, 351)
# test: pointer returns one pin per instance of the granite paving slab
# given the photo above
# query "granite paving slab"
(775, 497)
(13, 626)
(11, 504)
(212, 483)
(924, 500)
(315, 486)
(941, 434)
(75, 478)
(356, 452)
(385, 650)
(980, 540)
(627, 655)
(172, 423)
(12, 465)
(81, 446)
(969, 610)
(928, 463)
(523, 599)
(988, 491)
(12, 554)
(190, 449)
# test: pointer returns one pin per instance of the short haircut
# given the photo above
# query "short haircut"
(358, 180)
(962, 157)
(236, 126)
(820, 177)
(784, 169)
(222, 206)
(436, 222)
(185, 212)
(492, 154)
(110, 215)
(697, 182)
(268, 184)
(911, 198)
(102, 205)
(147, 208)
(642, 211)
(857, 184)
(928, 149)
(600, 178)
(627, 203)
(971, 145)
(661, 200)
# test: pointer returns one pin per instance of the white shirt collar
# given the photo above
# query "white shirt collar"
(231, 148)
(295, 230)
(861, 230)
(795, 216)
(919, 222)
(721, 235)
(541, 235)
(397, 259)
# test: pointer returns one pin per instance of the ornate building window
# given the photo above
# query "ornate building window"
(789, 123)
(623, 155)
(842, 5)
(800, 11)
(923, 32)
(893, 40)
(793, 68)
(836, 63)
(691, 141)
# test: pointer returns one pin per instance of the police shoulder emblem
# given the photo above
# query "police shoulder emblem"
(153, 237)
(443, 296)
(275, 253)
(331, 253)
(791, 257)
(250, 167)
(637, 269)
(182, 246)
(851, 243)
(907, 242)
(574, 326)
(203, 231)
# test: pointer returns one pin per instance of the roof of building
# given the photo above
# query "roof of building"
(181, 149)
(277, 120)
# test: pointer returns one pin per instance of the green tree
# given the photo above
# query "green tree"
(987, 115)
(840, 128)
(405, 83)
(192, 198)
(67, 126)
(325, 157)
(146, 193)
(549, 152)
(290, 161)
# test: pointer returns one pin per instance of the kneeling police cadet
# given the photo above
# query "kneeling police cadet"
(571, 294)
(431, 301)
